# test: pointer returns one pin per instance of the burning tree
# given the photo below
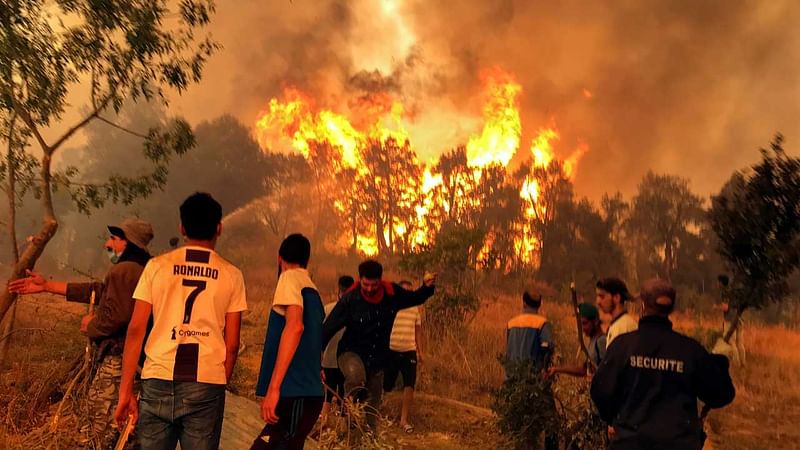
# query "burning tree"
(391, 203)
(122, 51)
(390, 189)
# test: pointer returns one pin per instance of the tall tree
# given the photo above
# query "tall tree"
(124, 51)
(663, 213)
(391, 187)
(756, 217)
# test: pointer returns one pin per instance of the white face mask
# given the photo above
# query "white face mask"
(112, 256)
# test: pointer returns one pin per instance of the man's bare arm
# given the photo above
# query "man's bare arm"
(290, 339)
(35, 283)
(233, 323)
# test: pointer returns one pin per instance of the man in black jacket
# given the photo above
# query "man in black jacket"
(368, 311)
(648, 385)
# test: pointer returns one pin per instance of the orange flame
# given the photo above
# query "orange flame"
(502, 129)
(294, 121)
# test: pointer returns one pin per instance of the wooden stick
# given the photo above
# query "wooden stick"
(574, 297)
(84, 370)
(88, 352)
(126, 433)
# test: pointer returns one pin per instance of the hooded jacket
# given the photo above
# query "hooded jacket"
(113, 300)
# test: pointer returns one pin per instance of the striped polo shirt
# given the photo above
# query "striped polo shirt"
(403, 337)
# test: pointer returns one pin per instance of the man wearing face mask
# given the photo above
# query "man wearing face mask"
(126, 248)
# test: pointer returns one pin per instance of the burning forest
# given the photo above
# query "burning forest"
(394, 203)
(510, 224)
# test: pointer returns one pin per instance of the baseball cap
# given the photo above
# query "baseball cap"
(588, 311)
(135, 231)
(659, 295)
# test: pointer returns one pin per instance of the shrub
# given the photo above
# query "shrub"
(525, 406)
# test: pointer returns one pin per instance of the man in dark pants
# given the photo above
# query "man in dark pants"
(368, 311)
(648, 385)
(290, 365)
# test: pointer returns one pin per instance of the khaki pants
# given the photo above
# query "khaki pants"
(737, 341)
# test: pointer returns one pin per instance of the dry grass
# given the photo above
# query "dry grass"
(461, 365)
(763, 415)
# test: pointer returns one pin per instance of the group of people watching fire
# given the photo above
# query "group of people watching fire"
(166, 336)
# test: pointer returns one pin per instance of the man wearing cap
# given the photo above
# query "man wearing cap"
(648, 385)
(127, 250)
(612, 293)
(590, 326)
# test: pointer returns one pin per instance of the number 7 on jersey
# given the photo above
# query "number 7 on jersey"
(199, 286)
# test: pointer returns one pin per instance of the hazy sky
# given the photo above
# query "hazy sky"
(685, 87)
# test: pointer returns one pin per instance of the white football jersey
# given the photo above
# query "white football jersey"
(191, 289)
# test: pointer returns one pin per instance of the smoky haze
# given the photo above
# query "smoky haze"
(692, 88)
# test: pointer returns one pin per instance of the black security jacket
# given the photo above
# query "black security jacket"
(368, 326)
(649, 383)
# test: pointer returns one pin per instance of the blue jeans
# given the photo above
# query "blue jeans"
(185, 411)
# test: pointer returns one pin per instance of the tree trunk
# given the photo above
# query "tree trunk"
(668, 255)
(355, 226)
(32, 252)
(11, 166)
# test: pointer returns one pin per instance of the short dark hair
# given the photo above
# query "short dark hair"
(532, 299)
(656, 289)
(370, 269)
(200, 216)
(614, 286)
(295, 249)
(724, 280)
(345, 282)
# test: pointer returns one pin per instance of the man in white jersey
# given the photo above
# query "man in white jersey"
(196, 299)
(406, 352)
(612, 293)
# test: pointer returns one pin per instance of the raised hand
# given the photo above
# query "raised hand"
(32, 284)
(429, 279)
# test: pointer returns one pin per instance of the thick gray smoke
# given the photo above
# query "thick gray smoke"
(685, 87)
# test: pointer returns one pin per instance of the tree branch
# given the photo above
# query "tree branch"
(120, 127)
(26, 117)
(82, 123)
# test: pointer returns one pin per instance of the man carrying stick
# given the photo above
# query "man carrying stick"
(127, 250)
(196, 298)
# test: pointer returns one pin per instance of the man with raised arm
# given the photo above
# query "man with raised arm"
(126, 248)
(368, 311)
(196, 299)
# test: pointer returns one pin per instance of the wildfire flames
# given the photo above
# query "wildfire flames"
(375, 123)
